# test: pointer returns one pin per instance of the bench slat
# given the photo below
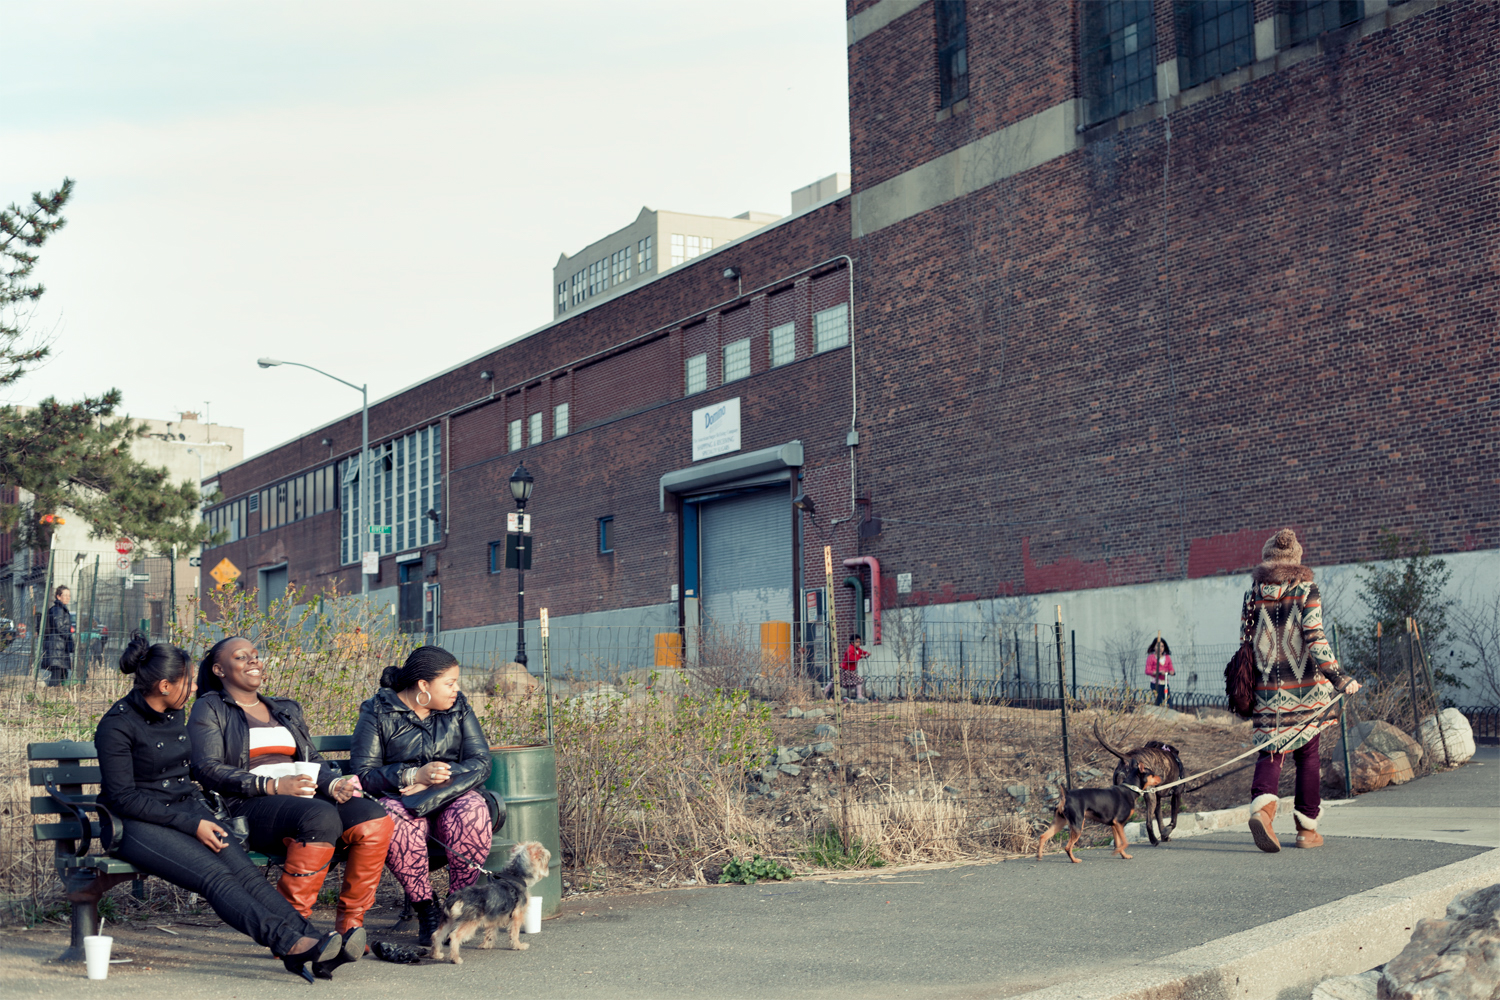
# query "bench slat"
(62, 750)
(42, 805)
(67, 830)
(106, 864)
(66, 774)
(333, 744)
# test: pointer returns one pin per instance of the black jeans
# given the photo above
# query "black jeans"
(274, 818)
(235, 888)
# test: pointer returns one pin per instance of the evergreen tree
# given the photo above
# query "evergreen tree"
(75, 458)
(22, 232)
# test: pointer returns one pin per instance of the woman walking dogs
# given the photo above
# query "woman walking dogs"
(142, 743)
(419, 746)
(244, 747)
(1296, 676)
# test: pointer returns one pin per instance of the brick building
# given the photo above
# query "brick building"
(1119, 289)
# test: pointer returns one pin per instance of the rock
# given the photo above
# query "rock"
(1054, 776)
(814, 713)
(824, 729)
(1381, 737)
(1401, 770)
(1050, 791)
(916, 738)
(927, 755)
(1360, 987)
(773, 795)
(947, 788)
(1372, 771)
(802, 752)
(757, 788)
(511, 681)
(791, 769)
(794, 712)
(1020, 793)
(821, 748)
(785, 756)
(1456, 957)
(1450, 728)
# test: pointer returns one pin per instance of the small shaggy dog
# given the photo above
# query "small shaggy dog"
(492, 901)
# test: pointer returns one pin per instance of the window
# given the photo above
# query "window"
(1307, 19)
(560, 420)
(1213, 38)
(229, 518)
(406, 481)
(831, 328)
(643, 255)
(513, 435)
(580, 289)
(606, 534)
(953, 51)
(497, 557)
(685, 248)
(697, 373)
(619, 266)
(562, 296)
(677, 249)
(1119, 57)
(534, 431)
(783, 344)
(737, 360)
(599, 276)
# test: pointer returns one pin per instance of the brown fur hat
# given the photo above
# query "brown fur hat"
(1282, 549)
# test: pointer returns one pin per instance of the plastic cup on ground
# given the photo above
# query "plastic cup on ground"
(96, 954)
(533, 915)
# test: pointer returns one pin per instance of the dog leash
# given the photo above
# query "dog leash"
(1158, 789)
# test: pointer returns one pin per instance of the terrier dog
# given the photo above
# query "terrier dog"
(1155, 763)
(496, 899)
(1107, 805)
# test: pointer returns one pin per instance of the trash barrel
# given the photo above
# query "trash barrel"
(526, 778)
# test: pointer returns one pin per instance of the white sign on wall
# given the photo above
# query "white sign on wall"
(716, 429)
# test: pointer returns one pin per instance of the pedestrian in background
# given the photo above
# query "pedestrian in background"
(849, 677)
(1159, 668)
(57, 643)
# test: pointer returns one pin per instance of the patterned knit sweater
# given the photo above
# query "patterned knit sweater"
(1297, 675)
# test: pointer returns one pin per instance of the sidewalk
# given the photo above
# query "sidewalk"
(1168, 921)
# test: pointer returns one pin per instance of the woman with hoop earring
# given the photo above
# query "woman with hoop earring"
(419, 746)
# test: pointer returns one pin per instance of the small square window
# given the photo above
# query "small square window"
(606, 534)
(497, 557)
(560, 420)
(831, 328)
(697, 373)
(534, 431)
(515, 435)
(737, 360)
(783, 344)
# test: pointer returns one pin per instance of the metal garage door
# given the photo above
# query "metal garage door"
(746, 552)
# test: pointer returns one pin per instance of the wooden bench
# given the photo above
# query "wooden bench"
(88, 874)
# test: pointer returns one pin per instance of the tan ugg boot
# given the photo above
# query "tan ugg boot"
(1307, 831)
(1262, 815)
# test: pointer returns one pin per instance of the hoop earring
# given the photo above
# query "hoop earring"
(422, 703)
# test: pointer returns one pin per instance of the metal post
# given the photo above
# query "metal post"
(365, 493)
(172, 586)
(1437, 709)
(1343, 725)
(1062, 702)
(1411, 665)
(83, 672)
(1073, 636)
(521, 597)
(39, 640)
(547, 671)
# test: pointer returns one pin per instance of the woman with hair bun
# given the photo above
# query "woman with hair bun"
(245, 747)
(419, 746)
(143, 749)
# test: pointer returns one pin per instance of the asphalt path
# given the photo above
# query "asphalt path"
(989, 930)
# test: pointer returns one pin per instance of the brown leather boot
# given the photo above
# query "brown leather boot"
(1262, 815)
(368, 843)
(303, 874)
(1307, 831)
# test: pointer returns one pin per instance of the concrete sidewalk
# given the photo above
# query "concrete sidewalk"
(1169, 921)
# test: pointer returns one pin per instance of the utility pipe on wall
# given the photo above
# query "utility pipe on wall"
(874, 565)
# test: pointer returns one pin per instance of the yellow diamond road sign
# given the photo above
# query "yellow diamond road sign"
(225, 573)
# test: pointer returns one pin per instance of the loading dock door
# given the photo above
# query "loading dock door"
(746, 559)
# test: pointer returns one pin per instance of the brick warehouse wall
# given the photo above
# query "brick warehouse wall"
(1315, 346)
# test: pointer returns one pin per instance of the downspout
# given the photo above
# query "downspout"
(852, 438)
(874, 565)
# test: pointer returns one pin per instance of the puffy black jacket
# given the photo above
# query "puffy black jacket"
(57, 644)
(390, 738)
(143, 766)
(220, 735)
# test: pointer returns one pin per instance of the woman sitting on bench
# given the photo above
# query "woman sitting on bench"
(419, 745)
(142, 744)
(245, 746)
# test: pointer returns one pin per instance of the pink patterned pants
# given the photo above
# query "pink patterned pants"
(462, 826)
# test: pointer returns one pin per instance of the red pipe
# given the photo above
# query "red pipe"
(874, 565)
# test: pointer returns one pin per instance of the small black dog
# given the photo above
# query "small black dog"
(1106, 805)
(1138, 767)
(492, 901)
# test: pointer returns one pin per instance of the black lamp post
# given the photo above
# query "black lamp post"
(520, 488)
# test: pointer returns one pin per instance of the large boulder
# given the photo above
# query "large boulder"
(1456, 957)
(1372, 771)
(1377, 735)
(1448, 736)
(1401, 769)
(512, 681)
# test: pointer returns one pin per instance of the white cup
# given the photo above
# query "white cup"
(96, 954)
(533, 915)
(310, 768)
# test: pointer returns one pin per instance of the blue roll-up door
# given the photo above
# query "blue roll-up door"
(746, 558)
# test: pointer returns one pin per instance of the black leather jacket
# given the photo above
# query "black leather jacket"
(57, 643)
(143, 766)
(390, 738)
(220, 736)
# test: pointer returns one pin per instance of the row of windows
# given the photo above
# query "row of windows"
(685, 248)
(302, 496)
(405, 490)
(830, 331)
(602, 274)
(535, 432)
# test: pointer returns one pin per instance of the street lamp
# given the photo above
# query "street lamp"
(364, 461)
(520, 489)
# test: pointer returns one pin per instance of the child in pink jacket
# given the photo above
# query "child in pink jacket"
(1159, 667)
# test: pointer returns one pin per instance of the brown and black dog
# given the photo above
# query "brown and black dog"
(1106, 805)
(1156, 763)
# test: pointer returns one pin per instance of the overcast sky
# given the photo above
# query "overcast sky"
(376, 189)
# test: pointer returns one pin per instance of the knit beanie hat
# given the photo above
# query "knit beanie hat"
(1282, 549)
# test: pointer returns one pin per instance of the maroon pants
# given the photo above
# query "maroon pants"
(1309, 795)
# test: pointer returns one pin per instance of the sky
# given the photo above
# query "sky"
(376, 189)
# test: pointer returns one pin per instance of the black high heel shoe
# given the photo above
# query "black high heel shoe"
(352, 949)
(327, 947)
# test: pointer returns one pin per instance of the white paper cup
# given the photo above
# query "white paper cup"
(308, 768)
(533, 915)
(96, 954)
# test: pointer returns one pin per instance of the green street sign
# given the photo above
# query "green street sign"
(380, 529)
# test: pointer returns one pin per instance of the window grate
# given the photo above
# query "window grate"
(1214, 37)
(953, 51)
(1119, 57)
(1307, 19)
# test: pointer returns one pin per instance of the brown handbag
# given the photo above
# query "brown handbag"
(1239, 681)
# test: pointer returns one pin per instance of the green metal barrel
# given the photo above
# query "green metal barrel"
(526, 777)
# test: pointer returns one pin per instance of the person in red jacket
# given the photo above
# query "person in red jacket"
(849, 677)
(1159, 668)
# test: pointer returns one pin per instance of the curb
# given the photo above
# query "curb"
(1290, 956)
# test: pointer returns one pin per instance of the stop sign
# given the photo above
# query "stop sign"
(123, 546)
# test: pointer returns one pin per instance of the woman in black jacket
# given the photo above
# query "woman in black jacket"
(142, 744)
(244, 746)
(419, 746)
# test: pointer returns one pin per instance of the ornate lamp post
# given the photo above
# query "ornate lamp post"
(520, 488)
